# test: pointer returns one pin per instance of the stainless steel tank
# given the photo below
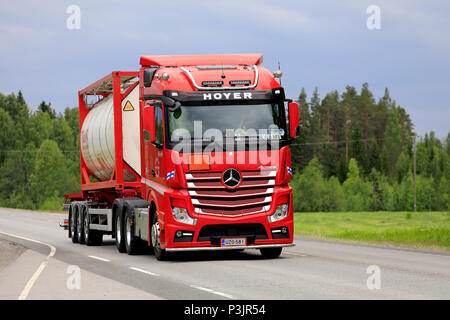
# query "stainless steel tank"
(97, 140)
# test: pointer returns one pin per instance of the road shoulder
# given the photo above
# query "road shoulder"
(10, 251)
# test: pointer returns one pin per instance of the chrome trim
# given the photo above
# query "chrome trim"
(262, 246)
(222, 88)
(270, 182)
(198, 202)
(245, 175)
(191, 177)
(152, 185)
(204, 195)
(224, 214)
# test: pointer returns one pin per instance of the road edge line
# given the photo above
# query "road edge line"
(24, 294)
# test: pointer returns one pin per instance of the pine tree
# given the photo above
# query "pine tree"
(374, 160)
(47, 107)
(301, 150)
(393, 140)
(366, 111)
(357, 148)
(342, 171)
(348, 105)
(315, 125)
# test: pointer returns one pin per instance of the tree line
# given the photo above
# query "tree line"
(39, 160)
(352, 153)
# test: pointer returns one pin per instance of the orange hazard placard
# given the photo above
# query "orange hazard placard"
(199, 162)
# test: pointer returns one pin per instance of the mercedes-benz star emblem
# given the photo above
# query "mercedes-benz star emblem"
(231, 178)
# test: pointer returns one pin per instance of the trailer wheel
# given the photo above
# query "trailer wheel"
(271, 253)
(132, 243)
(73, 223)
(80, 224)
(160, 254)
(69, 233)
(91, 237)
(120, 243)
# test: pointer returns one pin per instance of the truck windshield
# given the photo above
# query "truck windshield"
(260, 121)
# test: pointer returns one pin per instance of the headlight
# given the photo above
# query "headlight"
(280, 213)
(181, 215)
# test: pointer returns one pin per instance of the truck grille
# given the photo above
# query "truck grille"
(210, 196)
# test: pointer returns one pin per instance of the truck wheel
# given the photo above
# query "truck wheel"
(80, 224)
(160, 254)
(91, 237)
(120, 243)
(73, 223)
(69, 230)
(271, 253)
(132, 243)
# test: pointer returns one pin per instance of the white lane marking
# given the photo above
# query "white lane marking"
(98, 258)
(229, 296)
(35, 276)
(144, 271)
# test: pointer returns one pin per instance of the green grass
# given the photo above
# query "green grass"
(411, 229)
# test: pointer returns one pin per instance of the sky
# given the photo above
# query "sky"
(323, 43)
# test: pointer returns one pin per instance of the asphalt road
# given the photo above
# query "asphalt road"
(39, 261)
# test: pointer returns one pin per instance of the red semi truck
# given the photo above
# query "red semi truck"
(189, 153)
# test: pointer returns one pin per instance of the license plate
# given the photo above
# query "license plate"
(230, 242)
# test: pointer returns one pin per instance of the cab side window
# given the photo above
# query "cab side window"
(159, 129)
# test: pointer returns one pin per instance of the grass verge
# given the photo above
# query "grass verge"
(412, 229)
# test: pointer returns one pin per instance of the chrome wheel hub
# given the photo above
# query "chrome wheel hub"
(118, 234)
(128, 231)
(155, 235)
(86, 228)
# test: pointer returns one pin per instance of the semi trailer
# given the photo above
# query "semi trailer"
(189, 153)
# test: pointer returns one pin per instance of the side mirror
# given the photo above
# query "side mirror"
(148, 76)
(293, 118)
(149, 123)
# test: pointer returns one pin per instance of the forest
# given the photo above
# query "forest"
(352, 153)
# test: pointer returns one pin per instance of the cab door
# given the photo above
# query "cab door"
(153, 142)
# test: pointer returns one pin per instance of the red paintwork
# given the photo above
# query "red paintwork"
(175, 190)
(115, 186)
(206, 59)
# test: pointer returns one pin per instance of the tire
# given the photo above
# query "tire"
(91, 237)
(69, 229)
(73, 223)
(132, 243)
(160, 254)
(80, 223)
(120, 243)
(271, 253)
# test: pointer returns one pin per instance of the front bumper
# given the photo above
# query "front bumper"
(254, 241)
(262, 246)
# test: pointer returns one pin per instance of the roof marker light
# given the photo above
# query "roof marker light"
(240, 82)
(212, 83)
